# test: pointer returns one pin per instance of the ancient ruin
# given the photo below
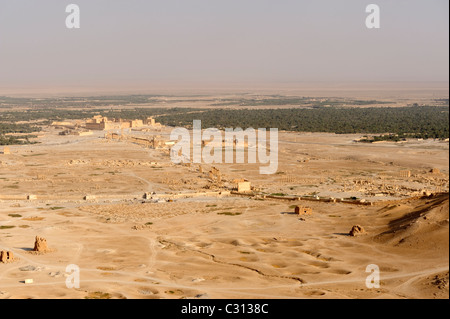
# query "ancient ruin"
(6, 151)
(100, 123)
(244, 187)
(405, 174)
(6, 256)
(300, 210)
(40, 245)
(356, 231)
(153, 142)
(215, 175)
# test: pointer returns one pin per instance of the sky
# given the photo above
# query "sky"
(126, 43)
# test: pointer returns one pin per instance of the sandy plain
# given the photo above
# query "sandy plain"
(224, 246)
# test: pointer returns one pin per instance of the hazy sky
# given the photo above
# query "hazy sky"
(139, 42)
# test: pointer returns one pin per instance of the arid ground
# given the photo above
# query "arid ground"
(195, 239)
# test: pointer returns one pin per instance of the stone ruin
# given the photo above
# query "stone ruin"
(435, 171)
(89, 197)
(40, 245)
(214, 175)
(244, 187)
(356, 231)
(6, 151)
(405, 174)
(6, 256)
(288, 179)
(299, 210)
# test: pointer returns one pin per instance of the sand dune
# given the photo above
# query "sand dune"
(263, 253)
(420, 224)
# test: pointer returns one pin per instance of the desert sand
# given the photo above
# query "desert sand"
(224, 245)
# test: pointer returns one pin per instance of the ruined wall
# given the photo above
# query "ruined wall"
(244, 187)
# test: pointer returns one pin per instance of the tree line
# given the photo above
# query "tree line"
(420, 122)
